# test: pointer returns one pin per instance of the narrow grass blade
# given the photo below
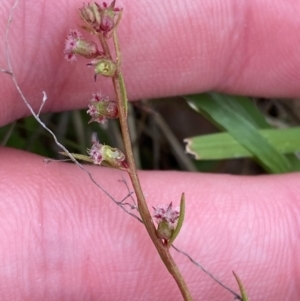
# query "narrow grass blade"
(230, 114)
(221, 146)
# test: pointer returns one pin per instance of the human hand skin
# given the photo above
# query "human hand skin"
(63, 239)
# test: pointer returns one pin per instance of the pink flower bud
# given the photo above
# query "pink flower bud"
(90, 15)
(100, 19)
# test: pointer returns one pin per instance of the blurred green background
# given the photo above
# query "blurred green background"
(159, 127)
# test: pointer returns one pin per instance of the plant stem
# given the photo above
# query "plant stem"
(142, 206)
(121, 94)
(162, 249)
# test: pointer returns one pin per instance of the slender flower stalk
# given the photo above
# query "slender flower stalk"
(102, 21)
(162, 249)
(143, 208)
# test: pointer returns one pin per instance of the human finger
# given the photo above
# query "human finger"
(62, 238)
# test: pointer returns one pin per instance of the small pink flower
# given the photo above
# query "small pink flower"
(76, 45)
(106, 155)
(166, 213)
(96, 152)
(101, 108)
(70, 44)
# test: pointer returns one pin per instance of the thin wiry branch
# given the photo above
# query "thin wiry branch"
(134, 206)
(133, 200)
(236, 295)
(36, 116)
(5, 71)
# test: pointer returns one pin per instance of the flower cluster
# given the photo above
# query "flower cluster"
(101, 108)
(105, 155)
(166, 213)
(166, 218)
(100, 19)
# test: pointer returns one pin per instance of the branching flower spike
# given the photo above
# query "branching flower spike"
(102, 21)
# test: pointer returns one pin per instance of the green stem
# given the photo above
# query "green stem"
(162, 249)
(143, 208)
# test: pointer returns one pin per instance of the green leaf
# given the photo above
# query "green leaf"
(235, 115)
(78, 157)
(223, 146)
(241, 287)
(180, 221)
(88, 159)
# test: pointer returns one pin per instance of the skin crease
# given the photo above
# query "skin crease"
(63, 239)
